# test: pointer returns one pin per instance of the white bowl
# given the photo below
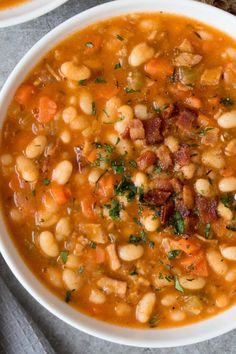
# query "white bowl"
(27, 11)
(137, 337)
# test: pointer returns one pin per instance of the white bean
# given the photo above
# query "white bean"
(97, 297)
(191, 283)
(54, 275)
(140, 54)
(188, 171)
(94, 175)
(74, 72)
(227, 184)
(221, 300)
(71, 279)
(141, 181)
(216, 262)
(172, 143)
(27, 169)
(213, 158)
(48, 244)
(86, 102)
(203, 187)
(68, 114)
(79, 123)
(140, 111)
(169, 300)
(224, 212)
(151, 223)
(228, 252)
(110, 111)
(63, 228)
(130, 252)
(125, 114)
(62, 172)
(177, 315)
(15, 215)
(122, 309)
(36, 147)
(114, 286)
(145, 307)
(230, 275)
(65, 136)
(227, 120)
(45, 218)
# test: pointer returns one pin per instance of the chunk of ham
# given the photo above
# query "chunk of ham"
(166, 211)
(136, 130)
(182, 156)
(156, 197)
(187, 59)
(146, 159)
(185, 120)
(112, 286)
(211, 137)
(163, 184)
(163, 154)
(153, 130)
(207, 208)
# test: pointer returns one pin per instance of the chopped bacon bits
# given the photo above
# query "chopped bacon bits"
(185, 120)
(136, 129)
(207, 208)
(156, 197)
(153, 130)
(182, 156)
(146, 159)
(162, 183)
(166, 211)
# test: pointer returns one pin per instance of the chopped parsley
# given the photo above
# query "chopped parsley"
(114, 209)
(130, 90)
(89, 44)
(33, 192)
(82, 82)
(153, 321)
(133, 163)
(173, 78)
(178, 285)
(64, 256)
(100, 80)
(203, 131)
(46, 181)
(135, 240)
(109, 148)
(117, 66)
(117, 141)
(92, 245)
(173, 254)
(94, 111)
(231, 228)
(68, 295)
(118, 36)
(118, 165)
(157, 169)
(227, 101)
(207, 230)
(81, 269)
(177, 222)
(133, 272)
(126, 185)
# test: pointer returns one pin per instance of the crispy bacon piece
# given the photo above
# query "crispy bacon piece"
(136, 130)
(163, 154)
(162, 183)
(207, 208)
(153, 130)
(182, 156)
(211, 137)
(185, 120)
(126, 134)
(146, 159)
(156, 197)
(177, 185)
(166, 211)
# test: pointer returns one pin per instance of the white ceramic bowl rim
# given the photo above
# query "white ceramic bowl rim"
(172, 337)
(27, 11)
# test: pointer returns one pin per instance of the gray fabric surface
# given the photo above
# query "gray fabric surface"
(26, 327)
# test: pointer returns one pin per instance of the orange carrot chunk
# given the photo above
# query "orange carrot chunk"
(87, 206)
(47, 109)
(108, 91)
(188, 246)
(24, 94)
(60, 194)
(196, 264)
(106, 186)
(100, 255)
(158, 68)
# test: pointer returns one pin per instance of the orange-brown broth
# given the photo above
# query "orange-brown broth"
(21, 126)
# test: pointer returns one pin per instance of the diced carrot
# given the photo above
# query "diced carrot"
(196, 264)
(14, 183)
(92, 156)
(100, 255)
(193, 102)
(24, 94)
(213, 101)
(227, 172)
(93, 44)
(107, 91)
(60, 194)
(106, 186)
(187, 246)
(158, 68)
(87, 206)
(47, 109)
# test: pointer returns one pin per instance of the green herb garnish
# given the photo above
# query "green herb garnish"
(173, 254)
(227, 101)
(81, 269)
(118, 36)
(94, 111)
(64, 256)
(89, 44)
(207, 230)
(82, 82)
(203, 131)
(178, 285)
(46, 181)
(69, 295)
(153, 321)
(100, 80)
(92, 245)
(115, 209)
(231, 228)
(117, 66)
(130, 90)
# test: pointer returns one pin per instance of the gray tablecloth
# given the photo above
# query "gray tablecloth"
(26, 327)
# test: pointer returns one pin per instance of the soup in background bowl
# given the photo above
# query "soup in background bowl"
(118, 179)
